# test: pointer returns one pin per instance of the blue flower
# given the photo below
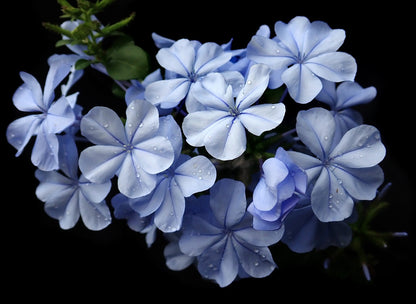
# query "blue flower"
(276, 194)
(52, 117)
(68, 197)
(344, 169)
(135, 152)
(305, 53)
(305, 232)
(185, 177)
(220, 127)
(341, 99)
(186, 63)
(222, 238)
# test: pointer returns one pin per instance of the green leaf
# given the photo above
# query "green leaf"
(126, 61)
(82, 64)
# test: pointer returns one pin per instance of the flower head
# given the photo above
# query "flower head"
(276, 194)
(220, 126)
(304, 53)
(343, 169)
(222, 238)
(134, 151)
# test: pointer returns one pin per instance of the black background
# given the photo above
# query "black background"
(42, 261)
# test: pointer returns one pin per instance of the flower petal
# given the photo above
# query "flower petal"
(168, 93)
(320, 38)
(96, 216)
(142, 121)
(360, 147)
(351, 94)
(101, 163)
(195, 175)
(45, 150)
(94, 192)
(60, 116)
(28, 97)
(260, 118)
(315, 128)
(102, 126)
(178, 58)
(329, 200)
(21, 130)
(335, 66)
(302, 83)
(228, 201)
(209, 57)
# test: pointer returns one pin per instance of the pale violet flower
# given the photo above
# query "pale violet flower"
(222, 238)
(182, 179)
(344, 169)
(134, 151)
(281, 186)
(51, 117)
(340, 100)
(221, 125)
(305, 53)
(68, 197)
(187, 62)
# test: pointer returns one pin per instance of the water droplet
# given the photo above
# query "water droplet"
(249, 82)
(256, 264)
(154, 148)
(326, 137)
(330, 196)
(200, 177)
(132, 107)
(130, 125)
(277, 51)
(227, 125)
(273, 107)
(141, 125)
(106, 125)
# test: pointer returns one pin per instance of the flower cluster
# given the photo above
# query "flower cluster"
(186, 126)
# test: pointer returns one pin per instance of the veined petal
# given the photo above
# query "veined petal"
(259, 238)
(60, 116)
(351, 94)
(267, 51)
(96, 216)
(264, 197)
(329, 200)
(100, 163)
(142, 121)
(302, 83)
(178, 58)
(228, 201)
(292, 35)
(320, 38)
(195, 175)
(310, 164)
(260, 118)
(102, 126)
(94, 192)
(335, 66)
(154, 155)
(21, 130)
(315, 128)
(168, 93)
(28, 97)
(45, 150)
(360, 183)
(209, 57)
(256, 84)
(360, 147)
(168, 218)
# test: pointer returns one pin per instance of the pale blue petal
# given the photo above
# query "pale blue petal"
(310, 164)
(102, 126)
(162, 42)
(71, 213)
(292, 35)
(228, 201)
(94, 192)
(178, 58)
(267, 51)
(260, 118)
(235, 79)
(148, 204)
(168, 218)
(195, 175)
(360, 147)
(53, 186)
(256, 261)
(328, 94)
(60, 116)
(100, 163)
(154, 155)
(226, 138)
(352, 94)
(132, 180)
(28, 97)
(45, 150)
(259, 238)
(96, 216)
(168, 93)
(254, 87)
(302, 83)
(142, 121)
(175, 259)
(198, 235)
(214, 92)
(209, 57)
(315, 128)
(361, 183)
(335, 66)
(21, 130)
(68, 156)
(329, 200)
(219, 263)
(320, 38)
(169, 129)
(264, 197)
